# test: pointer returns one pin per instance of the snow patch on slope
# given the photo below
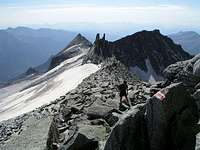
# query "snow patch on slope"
(149, 76)
(46, 91)
(75, 48)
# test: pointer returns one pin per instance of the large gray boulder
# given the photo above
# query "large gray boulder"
(187, 71)
(172, 118)
(129, 133)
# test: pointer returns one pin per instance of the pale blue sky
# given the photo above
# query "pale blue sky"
(105, 2)
(75, 14)
(19, 2)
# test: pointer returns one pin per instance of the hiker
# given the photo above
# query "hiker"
(123, 89)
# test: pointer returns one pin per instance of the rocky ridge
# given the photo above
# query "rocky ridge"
(87, 113)
(146, 51)
(91, 110)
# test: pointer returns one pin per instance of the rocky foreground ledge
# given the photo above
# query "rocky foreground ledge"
(83, 117)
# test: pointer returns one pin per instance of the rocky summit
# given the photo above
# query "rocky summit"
(146, 53)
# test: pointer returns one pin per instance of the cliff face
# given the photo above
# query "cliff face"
(139, 50)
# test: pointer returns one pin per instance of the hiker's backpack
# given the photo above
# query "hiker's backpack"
(120, 87)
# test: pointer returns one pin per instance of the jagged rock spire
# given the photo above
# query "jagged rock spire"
(104, 37)
(100, 39)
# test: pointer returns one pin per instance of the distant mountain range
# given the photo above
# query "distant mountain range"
(189, 40)
(21, 48)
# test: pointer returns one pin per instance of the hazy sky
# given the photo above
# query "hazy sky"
(169, 14)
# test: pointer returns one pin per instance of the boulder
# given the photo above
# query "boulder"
(171, 117)
(187, 71)
(103, 111)
(130, 132)
(80, 141)
(98, 111)
(83, 136)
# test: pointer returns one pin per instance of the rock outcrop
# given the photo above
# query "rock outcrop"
(172, 117)
(184, 71)
(130, 132)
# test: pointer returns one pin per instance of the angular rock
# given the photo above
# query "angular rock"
(130, 132)
(80, 142)
(172, 117)
(98, 111)
(184, 71)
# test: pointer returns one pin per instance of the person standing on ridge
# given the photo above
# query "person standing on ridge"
(123, 89)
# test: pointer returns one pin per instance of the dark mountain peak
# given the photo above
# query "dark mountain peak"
(156, 31)
(145, 50)
(79, 39)
(79, 45)
(143, 35)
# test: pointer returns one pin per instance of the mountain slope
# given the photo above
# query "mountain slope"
(76, 49)
(79, 45)
(189, 40)
(31, 92)
(146, 53)
(21, 48)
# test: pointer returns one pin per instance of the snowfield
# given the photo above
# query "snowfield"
(22, 98)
